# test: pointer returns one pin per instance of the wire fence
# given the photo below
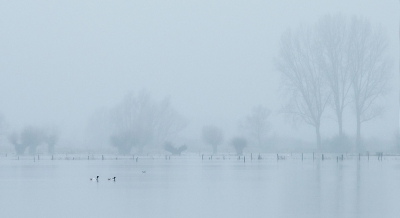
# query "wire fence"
(206, 156)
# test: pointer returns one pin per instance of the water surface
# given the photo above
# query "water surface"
(188, 186)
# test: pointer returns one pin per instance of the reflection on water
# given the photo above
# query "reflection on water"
(190, 187)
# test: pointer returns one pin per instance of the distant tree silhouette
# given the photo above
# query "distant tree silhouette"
(139, 121)
(369, 67)
(174, 151)
(337, 62)
(30, 137)
(239, 143)
(303, 79)
(51, 136)
(213, 136)
(14, 139)
(124, 141)
(256, 124)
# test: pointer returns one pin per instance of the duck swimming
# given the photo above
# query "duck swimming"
(112, 178)
(93, 179)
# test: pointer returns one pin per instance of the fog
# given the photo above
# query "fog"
(60, 62)
(199, 108)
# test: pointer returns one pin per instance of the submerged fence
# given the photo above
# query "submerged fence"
(210, 157)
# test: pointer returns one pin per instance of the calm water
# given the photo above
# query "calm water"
(190, 187)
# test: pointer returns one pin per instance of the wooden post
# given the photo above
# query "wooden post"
(322, 156)
(201, 156)
(88, 157)
(337, 159)
(342, 156)
(136, 159)
(277, 157)
(211, 157)
(244, 159)
(38, 157)
(51, 157)
(102, 157)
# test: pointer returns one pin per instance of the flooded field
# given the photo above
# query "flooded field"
(187, 186)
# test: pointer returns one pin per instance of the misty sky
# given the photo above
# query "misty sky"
(62, 60)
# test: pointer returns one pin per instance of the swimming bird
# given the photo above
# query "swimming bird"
(97, 178)
(112, 178)
(143, 171)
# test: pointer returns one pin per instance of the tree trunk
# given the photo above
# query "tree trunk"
(358, 139)
(318, 137)
(340, 123)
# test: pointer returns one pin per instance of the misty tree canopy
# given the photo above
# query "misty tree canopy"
(213, 136)
(139, 121)
(174, 151)
(239, 143)
(31, 137)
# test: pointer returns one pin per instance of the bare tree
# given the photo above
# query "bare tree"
(369, 67)
(302, 78)
(332, 37)
(213, 136)
(14, 138)
(239, 143)
(51, 136)
(174, 151)
(139, 121)
(30, 137)
(167, 123)
(132, 122)
(256, 124)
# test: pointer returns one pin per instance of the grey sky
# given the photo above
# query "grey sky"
(62, 60)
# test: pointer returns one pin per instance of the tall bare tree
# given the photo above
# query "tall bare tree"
(333, 39)
(302, 77)
(369, 67)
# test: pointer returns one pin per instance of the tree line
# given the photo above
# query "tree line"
(335, 63)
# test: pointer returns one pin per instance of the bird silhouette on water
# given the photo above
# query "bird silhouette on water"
(95, 179)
